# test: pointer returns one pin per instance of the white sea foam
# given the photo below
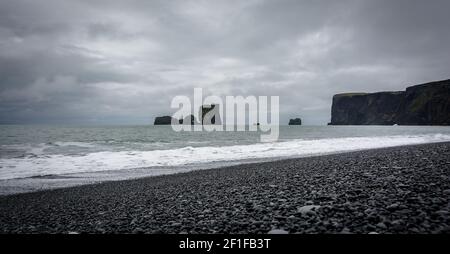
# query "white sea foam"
(78, 144)
(56, 164)
(40, 148)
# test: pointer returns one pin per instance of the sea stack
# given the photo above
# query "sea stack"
(425, 104)
(296, 121)
(205, 109)
(187, 119)
(163, 120)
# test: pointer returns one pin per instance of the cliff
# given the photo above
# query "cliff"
(426, 104)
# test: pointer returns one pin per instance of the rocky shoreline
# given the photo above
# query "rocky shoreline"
(391, 190)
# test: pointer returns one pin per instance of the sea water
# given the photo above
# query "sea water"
(63, 155)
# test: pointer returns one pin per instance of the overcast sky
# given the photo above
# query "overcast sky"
(123, 61)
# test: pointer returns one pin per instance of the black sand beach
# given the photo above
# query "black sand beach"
(393, 190)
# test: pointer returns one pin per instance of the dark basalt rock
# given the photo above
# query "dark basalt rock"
(188, 119)
(163, 120)
(205, 109)
(426, 104)
(296, 121)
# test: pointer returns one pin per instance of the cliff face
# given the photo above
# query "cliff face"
(426, 104)
(365, 109)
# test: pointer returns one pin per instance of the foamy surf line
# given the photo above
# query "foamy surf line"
(126, 160)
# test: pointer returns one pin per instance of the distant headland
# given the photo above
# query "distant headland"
(425, 104)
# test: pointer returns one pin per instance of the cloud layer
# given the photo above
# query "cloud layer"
(123, 61)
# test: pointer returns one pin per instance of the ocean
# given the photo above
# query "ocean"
(67, 155)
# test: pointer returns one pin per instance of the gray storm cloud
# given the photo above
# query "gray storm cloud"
(123, 61)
